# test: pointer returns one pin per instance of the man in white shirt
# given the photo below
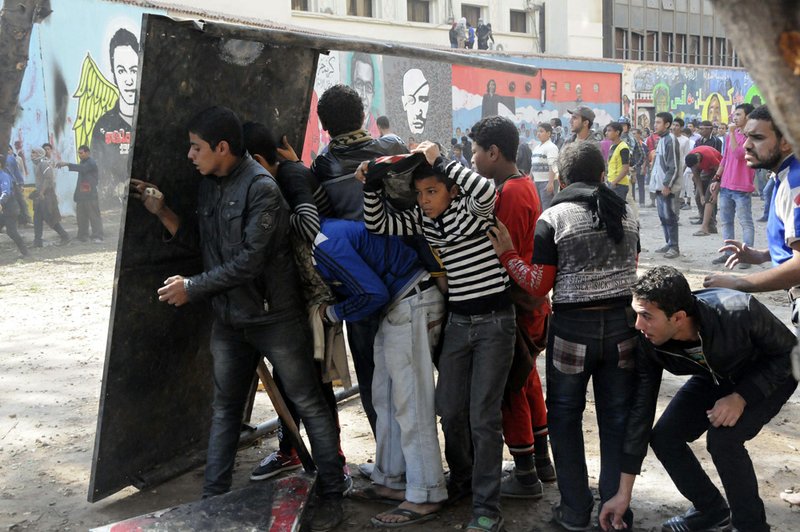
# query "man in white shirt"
(543, 168)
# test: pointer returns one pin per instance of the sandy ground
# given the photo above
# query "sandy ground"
(55, 318)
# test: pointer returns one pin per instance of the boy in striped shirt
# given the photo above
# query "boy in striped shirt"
(454, 210)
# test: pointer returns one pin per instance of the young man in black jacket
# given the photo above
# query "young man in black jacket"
(737, 353)
(250, 276)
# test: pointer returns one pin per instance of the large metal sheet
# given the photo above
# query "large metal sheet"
(155, 401)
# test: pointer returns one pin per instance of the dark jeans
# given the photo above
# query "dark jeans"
(19, 196)
(236, 353)
(9, 218)
(473, 368)
(685, 420)
(621, 191)
(581, 344)
(668, 213)
(638, 185)
(285, 444)
(39, 216)
(361, 339)
(87, 212)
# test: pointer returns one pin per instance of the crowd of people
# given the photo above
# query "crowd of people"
(14, 209)
(469, 266)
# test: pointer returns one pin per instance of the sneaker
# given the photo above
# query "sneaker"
(348, 485)
(559, 517)
(327, 515)
(762, 219)
(546, 472)
(722, 259)
(663, 249)
(275, 463)
(673, 253)
(511, 487)
(695, 520)
(366, 469)
(696, 222)
(744, 266)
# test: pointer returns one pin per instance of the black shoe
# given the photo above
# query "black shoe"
(722, 259)
(763, 219)
(327, 515)
(663, 249)
(38, 243)
(560, 517)
(695, 521)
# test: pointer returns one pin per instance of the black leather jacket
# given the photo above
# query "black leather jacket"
(744, 345)
(243, 232)
(336, 170)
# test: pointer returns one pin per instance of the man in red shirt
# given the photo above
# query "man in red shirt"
(704, 162)
(494, 149)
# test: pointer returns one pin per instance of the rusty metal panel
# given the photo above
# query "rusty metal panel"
(155, 402)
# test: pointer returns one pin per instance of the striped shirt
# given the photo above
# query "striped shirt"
(458, 234)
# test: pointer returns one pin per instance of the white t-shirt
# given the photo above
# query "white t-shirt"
(543, 160)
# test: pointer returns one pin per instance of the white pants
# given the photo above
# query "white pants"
(408, 455)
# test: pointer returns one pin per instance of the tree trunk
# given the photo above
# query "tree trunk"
(766, 36)
(16, 22)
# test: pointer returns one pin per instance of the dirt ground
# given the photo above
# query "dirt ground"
(54, 325)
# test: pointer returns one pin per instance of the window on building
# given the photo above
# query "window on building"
(621, 43)
(567, 86)
(667, 47)
(637, 46)
(419, 11)
(300, 5)
(680, 49)
(734, 57)
(694, 50)
(708, 49)
(519, 22)
(359, 8)
(721, 52)
(471, 13)
(651, 50)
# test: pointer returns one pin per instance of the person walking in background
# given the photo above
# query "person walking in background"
(665, 183)
(543, 167)
(9, 208)
(45, 201)
(87, 204)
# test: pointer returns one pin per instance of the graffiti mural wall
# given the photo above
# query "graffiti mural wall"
(80, 88)
(690, 93)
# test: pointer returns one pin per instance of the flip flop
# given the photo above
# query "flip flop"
(414, 518)
(369, 494)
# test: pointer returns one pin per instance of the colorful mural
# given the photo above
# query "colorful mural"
(688, 92)
(80, 88)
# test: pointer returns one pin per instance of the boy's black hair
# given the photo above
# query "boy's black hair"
(546, 126)
(382, 122)
(678, 120)
(498, 131)
(216, 124)
(581, 162)
(616, 126)
(665, 116)
(746, 107)
(84, 147)
(425, 170)
(47, 145)
(666, 288)
(692, 159)
(259, 140)
(340, 110)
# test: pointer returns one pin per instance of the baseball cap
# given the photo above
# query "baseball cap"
(624, 120)
(583, 112)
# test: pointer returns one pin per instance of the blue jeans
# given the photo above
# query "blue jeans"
(545, 198)
(408, 456)
(236, 353)
(685, 420)
(473, 369)
(668, 213)
(361, 340)
(581, 344)
(734, 203)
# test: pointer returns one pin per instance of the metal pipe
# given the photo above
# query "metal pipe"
(326, 43)
(271, 425)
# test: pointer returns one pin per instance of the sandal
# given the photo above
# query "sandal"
(412, 518)
(370, 494)
(484, 523)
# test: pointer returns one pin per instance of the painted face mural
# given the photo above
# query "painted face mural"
(416, 99)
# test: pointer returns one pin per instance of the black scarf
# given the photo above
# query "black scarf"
(608, 209)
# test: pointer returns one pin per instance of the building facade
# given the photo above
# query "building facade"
(666, 31)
